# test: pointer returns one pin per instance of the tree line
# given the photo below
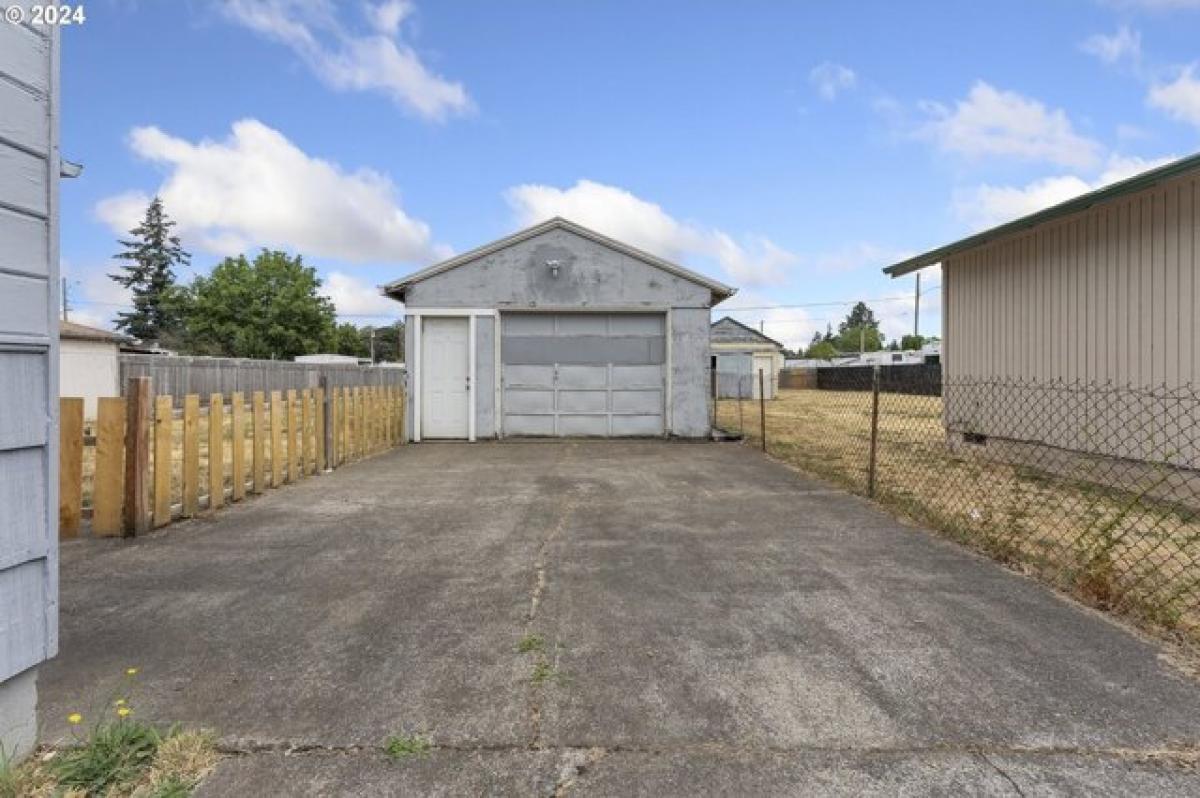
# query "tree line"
(858, 332)
(267, 307)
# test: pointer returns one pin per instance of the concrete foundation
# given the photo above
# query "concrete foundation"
(18, 714)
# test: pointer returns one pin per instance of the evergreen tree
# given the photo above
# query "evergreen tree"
(149, 259)
(860, 316)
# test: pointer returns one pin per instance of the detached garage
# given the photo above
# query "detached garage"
(557, 331)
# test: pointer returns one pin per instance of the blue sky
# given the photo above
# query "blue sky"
(790, 149)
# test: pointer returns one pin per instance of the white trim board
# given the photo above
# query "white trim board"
(471, 315)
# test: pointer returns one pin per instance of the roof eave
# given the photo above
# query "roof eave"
(1081, 203)
(395, 289)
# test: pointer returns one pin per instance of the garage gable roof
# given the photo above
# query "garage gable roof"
(728, 330)
(70, 331)
(395, 289)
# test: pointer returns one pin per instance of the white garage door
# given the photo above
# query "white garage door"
(583, 374)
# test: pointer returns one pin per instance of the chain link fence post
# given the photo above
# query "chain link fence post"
(762, 410)
(874, 431)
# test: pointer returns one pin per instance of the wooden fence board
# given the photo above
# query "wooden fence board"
(109, 478)
(276, 439)
(347, 430)
(70, 466)
(164, 423)
(319, 432)
(293, 434)
(258, 444)
(361, 418)
(191, 455)
(138, 411)
(373, 412)
(306, 452)
(216, 451)
(237, 443)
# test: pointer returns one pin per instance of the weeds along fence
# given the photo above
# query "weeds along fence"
(148, 462)
(180, 375)
(1094, 488)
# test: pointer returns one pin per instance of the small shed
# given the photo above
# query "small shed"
(557, 331)
(739, 353)
(88, 364)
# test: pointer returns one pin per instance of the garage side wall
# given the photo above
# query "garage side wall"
(485, 377)
(690, 410)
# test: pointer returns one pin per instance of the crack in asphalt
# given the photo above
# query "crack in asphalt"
(1181, 755)
(541, 563)
(1003, 774)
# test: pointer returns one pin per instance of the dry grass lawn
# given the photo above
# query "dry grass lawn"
(1112, 544)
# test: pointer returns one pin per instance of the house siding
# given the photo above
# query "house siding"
(1107, 296)
(28, 359)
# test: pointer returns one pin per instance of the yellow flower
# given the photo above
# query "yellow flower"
(120, 702)
(74, 718)
(123, 711)
(131, 671)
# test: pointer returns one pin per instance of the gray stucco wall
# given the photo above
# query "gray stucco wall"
(485, 378)
(591, 276)
(691, 413)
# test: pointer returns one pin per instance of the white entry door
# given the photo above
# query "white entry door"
(445, 380)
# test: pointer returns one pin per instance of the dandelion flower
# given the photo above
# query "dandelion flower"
(74, 718)
(131, 671)
(123, 712)
(120, 702)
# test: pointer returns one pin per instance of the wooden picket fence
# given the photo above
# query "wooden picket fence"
(149, 463)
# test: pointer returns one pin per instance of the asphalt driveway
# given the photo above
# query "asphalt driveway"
(709, 623)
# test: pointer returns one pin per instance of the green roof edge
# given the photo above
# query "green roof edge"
(1080, 203)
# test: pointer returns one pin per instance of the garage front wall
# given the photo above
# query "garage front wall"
(592, 278)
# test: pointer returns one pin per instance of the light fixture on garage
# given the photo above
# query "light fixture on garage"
(554, 267)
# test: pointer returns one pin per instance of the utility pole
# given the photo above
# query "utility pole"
(917, 307)
(372, 344)
(760, 325)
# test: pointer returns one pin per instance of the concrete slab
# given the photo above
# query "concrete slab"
(712, 621)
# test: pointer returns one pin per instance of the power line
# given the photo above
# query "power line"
(835, 303)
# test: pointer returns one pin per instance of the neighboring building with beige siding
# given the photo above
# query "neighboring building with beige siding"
(1101, 291)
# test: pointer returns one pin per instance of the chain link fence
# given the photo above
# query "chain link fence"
(1094, 488)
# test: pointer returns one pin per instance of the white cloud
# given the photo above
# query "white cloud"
(859, 255)
(1128, 132)
(986, 205)
(1156, 5)
(1179, 99)
(1125, 43)
(256, 188)
(830, 79)
(994, 122)
(615, 212)
(346, 61)
(355, 298)
(387, 17)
